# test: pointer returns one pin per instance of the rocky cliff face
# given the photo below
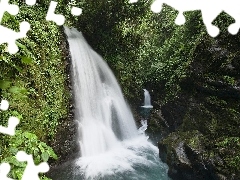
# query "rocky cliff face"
(65, 144)
(200, 128)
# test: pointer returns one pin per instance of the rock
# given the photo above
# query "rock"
(65, 143)
(181, 154)
(185, 159)
(174, 112)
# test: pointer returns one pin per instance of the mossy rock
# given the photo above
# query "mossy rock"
(186, 156)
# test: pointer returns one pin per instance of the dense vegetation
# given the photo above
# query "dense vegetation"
(33, 81)
(194, 77)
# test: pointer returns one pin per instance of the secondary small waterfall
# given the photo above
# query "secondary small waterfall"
(147, 99)
(111, 145)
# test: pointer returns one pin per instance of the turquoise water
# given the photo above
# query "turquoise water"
(133, 160)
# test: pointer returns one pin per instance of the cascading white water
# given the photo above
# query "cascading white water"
(147, 99)
(99, 101)
(110, 143)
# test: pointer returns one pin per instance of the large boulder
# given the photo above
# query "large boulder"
(187, 157)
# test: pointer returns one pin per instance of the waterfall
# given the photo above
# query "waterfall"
(111, 146)
(100, 105)
(147, 99)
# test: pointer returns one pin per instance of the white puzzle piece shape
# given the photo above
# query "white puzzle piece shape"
(8, 35)
(31, 2)
(4, 170)
(10, 130)
(76, 11)
(51, 16)
(210, 10)
(31, 171)
(4, 105)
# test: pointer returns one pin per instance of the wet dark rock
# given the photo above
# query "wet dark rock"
(187, 147)
(206, 111)
(186, 158)
(65, 143)
(174, 112)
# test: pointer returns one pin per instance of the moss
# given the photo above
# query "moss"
(37, 76)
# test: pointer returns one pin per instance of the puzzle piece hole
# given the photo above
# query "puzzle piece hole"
(213, 31)
(233, 28)
(31, 2)
(156, 6)
(31, 171)
(4, 105)
(14, 10)
(51, 16)
(4, 169)
(76, 11)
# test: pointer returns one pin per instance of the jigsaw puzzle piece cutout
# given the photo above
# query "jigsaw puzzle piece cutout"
(210, 11)
(180, 6)
(76, 11)
(4, 170)
(31, 171)
(10, 130)
(209, 15)
(51, 16)
(31, 2)
(12, 121)
(6, 7)
(234, 27)
(4, 105)
(9, 36)
(133, 1)
(180, 20)
(156, 6)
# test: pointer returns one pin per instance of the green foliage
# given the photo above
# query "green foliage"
(144, 50)
(229, 148)
(142, 47)
(28, 142)
(33, 80)
(148, 50)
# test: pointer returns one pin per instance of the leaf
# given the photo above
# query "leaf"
(45, 156)
(35, 151)
(52, 154)
(14, 89)
(18, 90)
(21, 45)
(23, 91)
(30, 136)
(2, 58)
(41, 148)
(26, 60)
(4, 84)
(17, 68)
(13, 150)
(17, 114)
